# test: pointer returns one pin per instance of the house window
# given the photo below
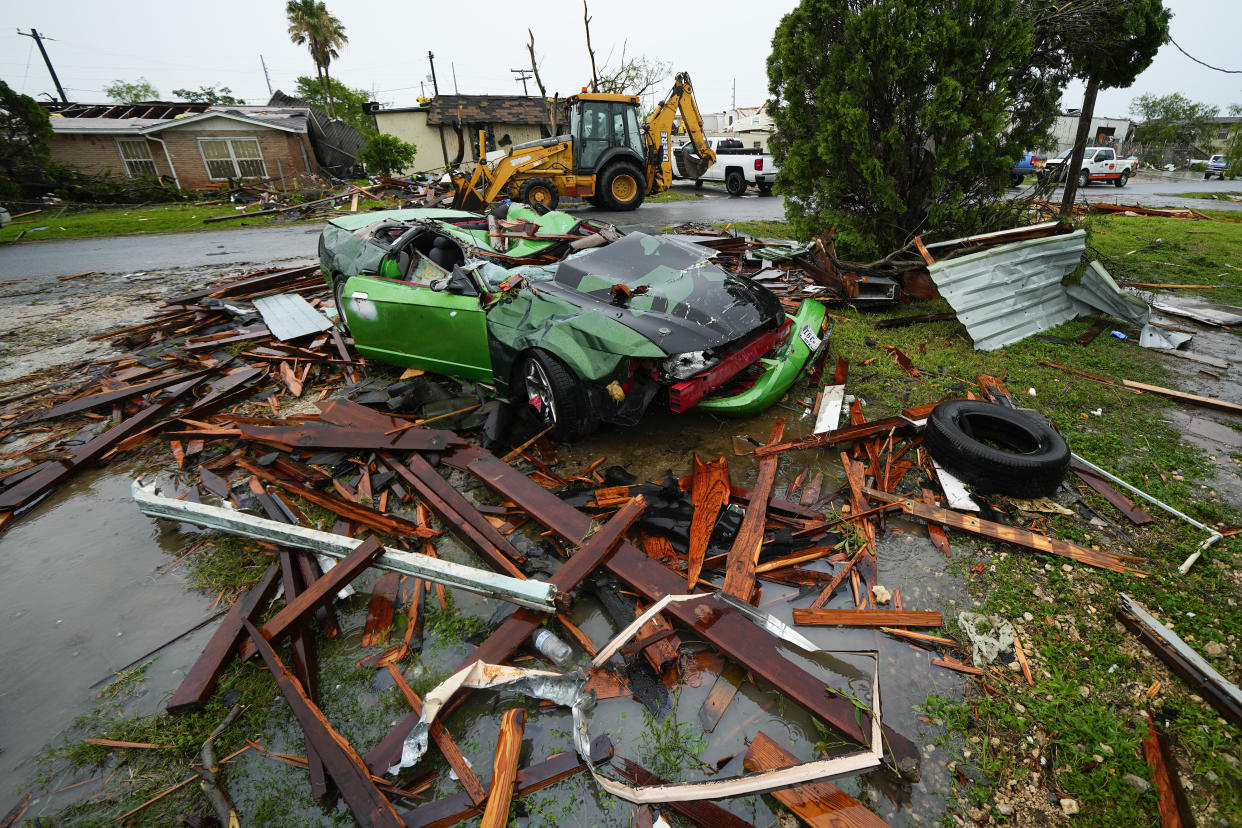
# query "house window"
(136, 153)
(232, 158)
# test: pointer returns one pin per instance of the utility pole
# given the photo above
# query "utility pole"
(523, 75)
(34, 33)
(266, 76)
(453, 66)
(735, 97)
(435, 87)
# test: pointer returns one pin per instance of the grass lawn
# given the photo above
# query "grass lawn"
(1230, 196)
(151, 218)
(1083, 716)
(672, 195)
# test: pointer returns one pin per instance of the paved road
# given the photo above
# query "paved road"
(43, 261)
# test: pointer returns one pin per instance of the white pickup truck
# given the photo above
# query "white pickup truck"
(737, 165)
(1098, 164)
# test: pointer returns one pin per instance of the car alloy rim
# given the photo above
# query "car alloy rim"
(624, 187)
(539, 392)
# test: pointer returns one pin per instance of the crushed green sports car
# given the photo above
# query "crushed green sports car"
(580, 322)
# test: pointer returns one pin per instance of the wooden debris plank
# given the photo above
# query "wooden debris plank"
(810, 494)
(451, 810)
(721, 695)
(935, 532)
(839, 435)
(739, 578)
(504, 769)
(328, 436)
(662, 648)
(1173, 807)
(918, 636)
(812, 554)
(444, 741)
(954, 664)
(319, 593)
(519, 626)
(709, 494)
(51, 474)
(305, 667)
(345, 766)
(109, 397)
(1019, 537)
(826, 595)
(698, 811)
(1106, 490)
(200, 682)
(722, 627)
(867, 618)
(1088, 336)
(819, 804)
(379, 613)
(457, 514)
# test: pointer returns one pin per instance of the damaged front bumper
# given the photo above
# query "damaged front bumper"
(779, 368)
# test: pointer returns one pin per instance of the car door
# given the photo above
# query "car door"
(1104, 167)
(405, 322)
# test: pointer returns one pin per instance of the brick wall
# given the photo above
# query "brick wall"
(287, 151)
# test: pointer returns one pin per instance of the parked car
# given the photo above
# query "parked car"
(1217, 166)
(580, 336)
(737, 165)
(1098, 164)
(1029, 164)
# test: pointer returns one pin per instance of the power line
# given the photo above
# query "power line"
(1196, 60)
(34, 35)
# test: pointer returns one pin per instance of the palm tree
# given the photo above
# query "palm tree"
(312, 24)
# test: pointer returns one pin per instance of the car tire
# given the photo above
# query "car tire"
(554, 395)
(338, 296)
(621, 187)
(997, 449)
(735, 183)
(539, 192)
(1207, 176)
(1121, 182)
(765, 189)
(1015, 180)
(1084, 179)
(698, 183)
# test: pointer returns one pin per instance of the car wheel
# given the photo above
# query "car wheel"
(338, 294)
(1121, 182)
(1207, 176)
(539, 192)
(1015, 179)
(1084, 179)
(765, 189)
(621, 187)
(996, 448)
(554, 395)
(735, 183)
(698, 183)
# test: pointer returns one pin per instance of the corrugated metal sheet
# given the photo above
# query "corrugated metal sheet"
(288, 316)
(1098, 290)
(1005, 294)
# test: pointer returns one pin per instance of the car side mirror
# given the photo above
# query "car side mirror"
(460, 284)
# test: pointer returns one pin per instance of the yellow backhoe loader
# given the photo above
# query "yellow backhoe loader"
(609, 157)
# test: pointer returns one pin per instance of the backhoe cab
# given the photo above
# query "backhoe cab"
(610, 157)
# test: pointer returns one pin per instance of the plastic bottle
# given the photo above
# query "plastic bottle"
(546, 642)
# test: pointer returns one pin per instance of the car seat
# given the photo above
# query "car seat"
(445, 254)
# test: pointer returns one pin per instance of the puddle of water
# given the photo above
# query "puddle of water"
(81, 598)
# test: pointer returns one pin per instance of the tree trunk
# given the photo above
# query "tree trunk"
(327, 88)
(1074, 164)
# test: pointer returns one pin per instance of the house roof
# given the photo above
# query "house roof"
(495, 109)
(155, 116)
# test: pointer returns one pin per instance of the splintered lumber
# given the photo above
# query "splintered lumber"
(744, 554)
(1174, 809)
(826, 595)
(899, 425)
(935, 532)
(504, 769)
(519, 626)
(709, 493)
(819, 804)
(719, 625)
(440, 735)
(109, 397)
(200, 682)
(329, 436)
(457, 514)
(1105, 490)
(1019, 537)
(305, 666)
(51, 474)
(319, 593)
(343, 764)
(721, 696)
(380, 612)
(451, 810)
(698, 811)
(866, 618)
(918, 636)
(1182, 396)
(661, 645)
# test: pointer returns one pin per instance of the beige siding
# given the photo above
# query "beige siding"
(412, 128)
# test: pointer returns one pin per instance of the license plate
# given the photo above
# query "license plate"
(808, 336)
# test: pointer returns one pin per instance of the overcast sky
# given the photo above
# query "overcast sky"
(187, 43)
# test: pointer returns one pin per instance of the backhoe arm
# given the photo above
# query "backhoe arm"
(659, 131)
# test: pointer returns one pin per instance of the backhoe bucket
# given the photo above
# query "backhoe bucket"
(691, 163)
(465, 196)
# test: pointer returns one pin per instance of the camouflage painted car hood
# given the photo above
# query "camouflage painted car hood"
(680, 301)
